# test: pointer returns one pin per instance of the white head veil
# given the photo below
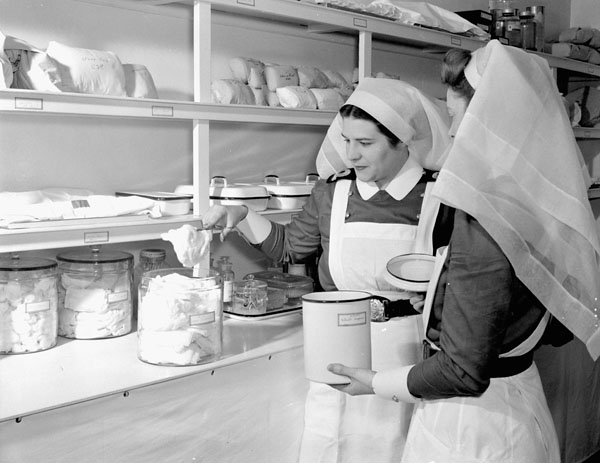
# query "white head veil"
(417, 120)
(516, 167)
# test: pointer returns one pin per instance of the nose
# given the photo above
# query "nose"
(352, 151)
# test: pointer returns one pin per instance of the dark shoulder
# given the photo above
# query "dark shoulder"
(348, 174)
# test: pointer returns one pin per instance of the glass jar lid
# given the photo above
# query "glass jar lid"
(95, 256)
(15, 263)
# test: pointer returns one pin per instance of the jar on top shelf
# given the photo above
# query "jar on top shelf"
(28, 304)
(94, 293)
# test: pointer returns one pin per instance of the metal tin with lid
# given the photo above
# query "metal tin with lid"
(28, 304)
(255, 197)
(94, 293)
(180, 317)
(288, 195)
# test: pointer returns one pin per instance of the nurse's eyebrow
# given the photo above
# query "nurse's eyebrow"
(359, 139)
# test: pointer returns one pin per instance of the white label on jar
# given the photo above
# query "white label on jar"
(227, 291)
(202, 319)
(37, 306)
(118, 297)
(352, 319)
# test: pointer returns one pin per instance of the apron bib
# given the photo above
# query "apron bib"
(511, 419)
(343, 428)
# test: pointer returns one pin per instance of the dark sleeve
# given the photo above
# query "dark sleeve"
(477, 288)
(301, 238)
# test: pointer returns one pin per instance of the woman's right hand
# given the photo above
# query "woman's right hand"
(224, 216)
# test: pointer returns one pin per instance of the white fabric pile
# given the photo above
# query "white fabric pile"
(28, 314)
(179, 320)
(97, 308)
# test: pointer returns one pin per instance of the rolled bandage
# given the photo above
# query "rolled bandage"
(335, 78)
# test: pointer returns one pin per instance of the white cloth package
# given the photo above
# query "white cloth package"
(248, 70)
(232, 91)
(83, 70)
(312, 77)
(328, 98)
(280, 75)
(296, 97)
(139, 82)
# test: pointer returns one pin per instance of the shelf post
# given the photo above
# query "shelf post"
(365, 45)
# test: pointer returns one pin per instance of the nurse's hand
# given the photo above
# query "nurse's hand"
(418, 301)
(361, 379)
(226, 217)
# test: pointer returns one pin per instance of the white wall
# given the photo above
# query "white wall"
(585, 13)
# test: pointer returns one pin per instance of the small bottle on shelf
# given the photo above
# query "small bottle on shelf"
(226, 270)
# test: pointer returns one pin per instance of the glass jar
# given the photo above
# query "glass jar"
(511, 27)
(150, 259)
(94, 294)
(180, 318)
(538, 17)
(28, 305)
(527, 30)
(249, 297)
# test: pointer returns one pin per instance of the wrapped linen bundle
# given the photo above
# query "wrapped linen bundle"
(328, 98)
(248, 70)
(280, 75)
(260, 96)
(231, 91)
(335, 78)
(312, 77)
(273, 100)
(139, 82)
(296, 97)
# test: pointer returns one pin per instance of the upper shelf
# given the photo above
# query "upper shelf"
(47, 103)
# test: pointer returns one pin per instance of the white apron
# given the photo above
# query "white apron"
(509, 423)
(363, 429)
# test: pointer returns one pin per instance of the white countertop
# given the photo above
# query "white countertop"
(80, 370)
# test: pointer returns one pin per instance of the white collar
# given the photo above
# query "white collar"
(401, 184)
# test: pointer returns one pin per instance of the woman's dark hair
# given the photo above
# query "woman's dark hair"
(453, 72)
(350, 110)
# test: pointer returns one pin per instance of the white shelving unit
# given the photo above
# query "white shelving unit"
(316, 18)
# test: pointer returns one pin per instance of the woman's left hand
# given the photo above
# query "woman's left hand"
(361, 379)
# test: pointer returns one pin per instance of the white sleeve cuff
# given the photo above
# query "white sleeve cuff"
(393, 385)
(254, 227)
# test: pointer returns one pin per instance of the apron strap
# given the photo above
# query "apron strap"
(338, 216)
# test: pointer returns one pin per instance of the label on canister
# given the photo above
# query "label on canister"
(118, 296)
(202, 318)
(40, 306)
(352, 319)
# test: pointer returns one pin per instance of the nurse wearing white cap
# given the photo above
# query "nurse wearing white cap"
(524, 249)
(377, 207)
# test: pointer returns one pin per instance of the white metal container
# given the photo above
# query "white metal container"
(288, 195)
(410, 272)
(168, 203)
(256, 197)
(336, 330)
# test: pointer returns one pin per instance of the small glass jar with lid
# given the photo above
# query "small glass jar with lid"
(249, 297)
(94, 293)
(28, 304)
(180, 317)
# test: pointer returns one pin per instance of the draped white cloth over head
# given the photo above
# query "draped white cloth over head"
(515, 166)
(419, 121)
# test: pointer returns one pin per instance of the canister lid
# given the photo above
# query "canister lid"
(94, 256)
(15, 263)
